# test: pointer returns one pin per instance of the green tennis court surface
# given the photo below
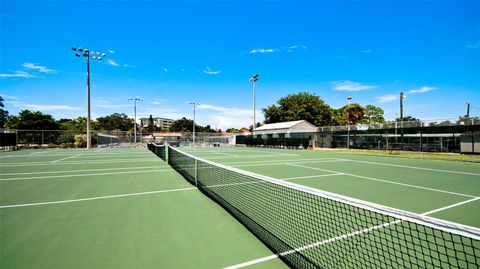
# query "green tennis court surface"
(126, 208)
(112, 208)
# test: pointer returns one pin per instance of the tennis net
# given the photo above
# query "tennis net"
(159, 150)
(309, 228)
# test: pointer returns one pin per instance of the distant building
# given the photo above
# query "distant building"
(159, 122)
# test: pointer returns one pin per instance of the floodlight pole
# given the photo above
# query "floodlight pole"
(349, 99)
(135, 116)
(253, 80)
(468, 109)
(96, 56)
(194, 104)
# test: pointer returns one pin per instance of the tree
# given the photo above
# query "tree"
(232, 130)
(150, 126)
(115, 121)
(28, 120)
(348, 114)
(77, 124)
(182, 125)
(3, 114)
(354, 113)
(300, 106)
(373, 114)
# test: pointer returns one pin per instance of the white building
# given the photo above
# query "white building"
(285, 129)
(159, 122)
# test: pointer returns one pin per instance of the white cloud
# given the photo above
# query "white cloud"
(112, 62)
(106, 103)
(209, 71)
(49, 107)
(129, 65)
(367, 51)
(253, 51)
(17, 74)
(387, 98)
(6, 96)
(111, 51)
(156, 103)
(350, 86)
(164, 69)
(226, 117)
(39, 68)
(473, 46)
(423, 89)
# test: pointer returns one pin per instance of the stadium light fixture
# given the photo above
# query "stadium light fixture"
(194, 104)
(253, 80)
(135, 116)
(86, 55)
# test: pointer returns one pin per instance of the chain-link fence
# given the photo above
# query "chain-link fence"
(447, 135)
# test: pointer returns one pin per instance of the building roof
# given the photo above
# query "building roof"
(281, 125)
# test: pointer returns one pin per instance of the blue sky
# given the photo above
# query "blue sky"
(171, 52)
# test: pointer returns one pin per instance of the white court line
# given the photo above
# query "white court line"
(85, 175)
(338, 238)
(82, 170)
(383, 180)
(316, 176)
(96, 198)
(283, 163)
(416, 167)
(71, 157)
(83, 162)
(224, 153)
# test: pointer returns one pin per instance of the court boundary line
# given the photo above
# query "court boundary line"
(82, 170)
(386, 164)
(85, 175)
(73, 162)
(66, 158)
(96, 198)
(416, 167)
(384, 180)
(340, 237)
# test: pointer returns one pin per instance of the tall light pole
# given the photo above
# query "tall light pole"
(135, 116)
(87, 54)
(402, 96)
(194, 104)
(468, 109)
(253, 80)
(349, 99)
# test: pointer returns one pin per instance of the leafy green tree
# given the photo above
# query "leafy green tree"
(373, 114)
(3, 114)
(354, 113)
(77, 124)
(348, 114)
(115, 121)
(300, 106)
(28, 120)
(184, 124)
(232, 130)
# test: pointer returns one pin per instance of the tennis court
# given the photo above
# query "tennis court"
(127, 208)
(112, 208)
